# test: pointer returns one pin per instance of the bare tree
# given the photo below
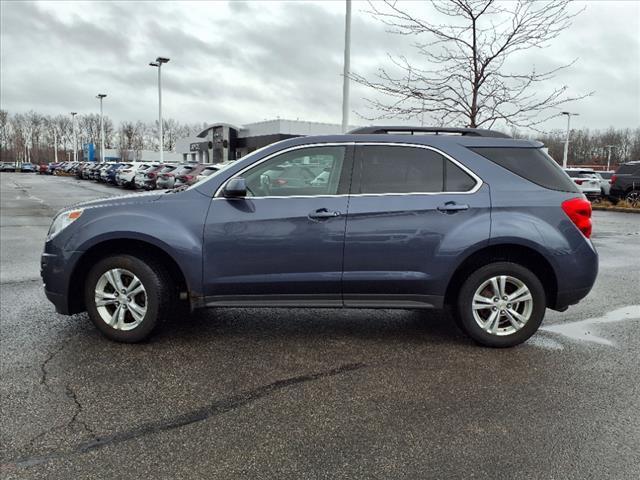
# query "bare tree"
(465, 79)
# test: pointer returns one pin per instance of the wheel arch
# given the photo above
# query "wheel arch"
(106, 248)
(520, 254)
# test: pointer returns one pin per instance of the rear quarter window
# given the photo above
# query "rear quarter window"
(628, 169)
(531, 164)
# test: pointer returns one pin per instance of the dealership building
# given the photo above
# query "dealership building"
(221, 142)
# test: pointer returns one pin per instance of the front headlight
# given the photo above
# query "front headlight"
(62, 221)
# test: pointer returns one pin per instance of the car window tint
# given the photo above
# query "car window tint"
(532, 164)
(456, 179)
(628, 168)
(390, 169)
(307, 171)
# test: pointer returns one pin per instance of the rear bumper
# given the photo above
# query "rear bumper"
(576, 274)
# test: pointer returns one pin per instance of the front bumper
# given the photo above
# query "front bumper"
(55, 269)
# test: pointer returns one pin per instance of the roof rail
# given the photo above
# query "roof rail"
(405, 129)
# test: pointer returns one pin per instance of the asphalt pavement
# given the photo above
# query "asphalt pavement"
(316, 393)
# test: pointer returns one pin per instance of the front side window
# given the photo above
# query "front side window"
(304, 172)
(400, 169)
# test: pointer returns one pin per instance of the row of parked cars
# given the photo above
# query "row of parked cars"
(623, 184)
(141, 175)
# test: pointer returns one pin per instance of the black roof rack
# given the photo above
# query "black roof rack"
(471, 132)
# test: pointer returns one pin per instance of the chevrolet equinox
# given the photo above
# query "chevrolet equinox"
(382, 217)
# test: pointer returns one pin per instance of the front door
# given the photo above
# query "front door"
(283, 243)
(411, 214)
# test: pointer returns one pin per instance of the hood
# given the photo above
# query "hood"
(135, 198)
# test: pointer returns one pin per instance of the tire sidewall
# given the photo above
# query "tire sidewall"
(465, 300)
(148, 278)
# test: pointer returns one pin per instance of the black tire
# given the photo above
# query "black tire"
(160, 295)
(633, 198)
(464, 311)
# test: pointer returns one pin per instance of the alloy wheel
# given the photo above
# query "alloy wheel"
(502, 305)
(121, 299)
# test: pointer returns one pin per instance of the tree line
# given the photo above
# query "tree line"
(34, 137)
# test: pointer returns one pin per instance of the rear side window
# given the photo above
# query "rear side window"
(399, 169)
(530, 163)
(627, 169)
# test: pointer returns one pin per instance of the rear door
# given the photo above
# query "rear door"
(283, 243)
(412, 212)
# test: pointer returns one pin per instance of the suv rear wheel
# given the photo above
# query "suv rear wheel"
(501, 304)
(633, 198)
(127, 297)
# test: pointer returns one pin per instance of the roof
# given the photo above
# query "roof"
(405, 129)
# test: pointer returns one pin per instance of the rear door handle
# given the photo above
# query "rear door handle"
(323, 213)
(453, 207)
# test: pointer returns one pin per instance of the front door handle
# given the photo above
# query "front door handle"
(453, 207)
(323, 213)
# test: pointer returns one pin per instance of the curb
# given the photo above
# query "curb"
(616, 209)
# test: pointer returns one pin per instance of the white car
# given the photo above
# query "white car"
(605, 181)
(126, 176)
(587, 181)
(210, 169)
(140, 176)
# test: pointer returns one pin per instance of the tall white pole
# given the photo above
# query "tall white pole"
(101, 96)
(566, 142)
(609, 157)
(75, 138)
(160, 111)
(55, 146)
(347, 67)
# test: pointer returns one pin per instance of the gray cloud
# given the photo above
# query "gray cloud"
(247, 61)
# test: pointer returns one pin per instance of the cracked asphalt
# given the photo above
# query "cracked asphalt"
(294, 393)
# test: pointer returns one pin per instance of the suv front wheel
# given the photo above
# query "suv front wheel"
(501, 304)
(127, 297)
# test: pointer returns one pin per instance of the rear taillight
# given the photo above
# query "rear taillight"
(579, 182)
(188, 177)
(151, 175)
(579, 212)
(613, 179)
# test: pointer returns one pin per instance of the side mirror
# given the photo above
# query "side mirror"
(235, 188)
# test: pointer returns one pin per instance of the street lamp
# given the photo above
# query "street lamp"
(158, 63)
(609, 156)
(346, 67)
(75, 139)
(566, 143)
(100, 96)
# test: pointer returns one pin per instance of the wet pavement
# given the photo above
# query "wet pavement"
(294, 393)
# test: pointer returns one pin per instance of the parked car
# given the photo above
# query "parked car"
(586, 181)
(43, 168)
(52, 167)
(211, 169)
(108, 173)
(404, 221)
(146, 179)
(126, 175)
(190, 177)
(27, 167)
(625, 183)
(167, 179)
(605, 182)
(8, 167)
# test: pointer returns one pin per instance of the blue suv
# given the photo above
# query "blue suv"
(383, 217)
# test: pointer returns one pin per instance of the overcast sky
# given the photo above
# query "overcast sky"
(242, 62)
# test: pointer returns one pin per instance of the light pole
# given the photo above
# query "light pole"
(75, 139)
(566, 142)
(100, 96)
(347, 67)
(609, 156)
(158, 63)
